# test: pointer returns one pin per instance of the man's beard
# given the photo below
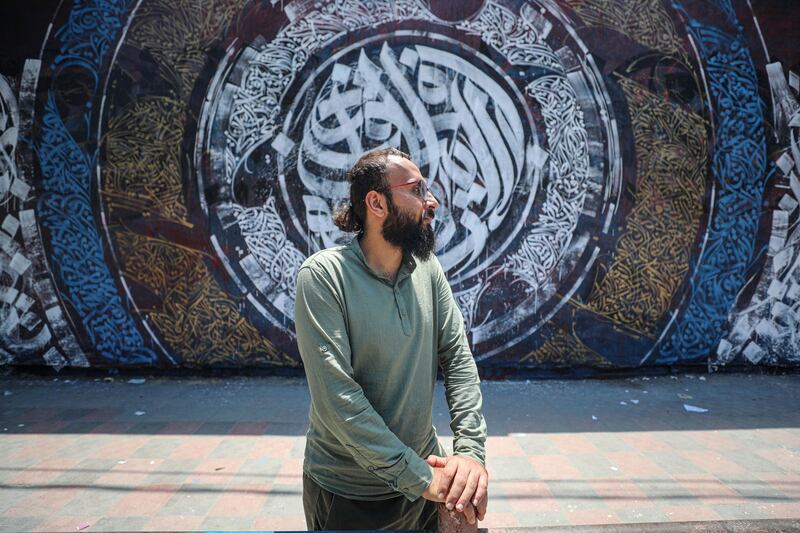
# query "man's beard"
(410, 235)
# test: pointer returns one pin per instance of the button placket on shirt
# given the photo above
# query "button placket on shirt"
(398, 300)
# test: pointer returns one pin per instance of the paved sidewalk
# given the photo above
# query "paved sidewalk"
(226, 454)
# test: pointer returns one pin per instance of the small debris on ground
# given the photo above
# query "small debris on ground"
(139, 413)
(694, 408)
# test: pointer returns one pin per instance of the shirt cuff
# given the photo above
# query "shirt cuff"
(412, 481)
(470, 448)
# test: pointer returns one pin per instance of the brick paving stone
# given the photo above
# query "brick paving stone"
(46, 501)
(172, 471)
(621, 493)
(788, 484)
(157, 447)
(215, 471)
(120, 523)
(641, 515)
(91, 502)
(679, 440)
(756, 438)
(233, 448)
(585, 517)
(504, 447)
(284, 500)
(43, 472)
(62, 523)
(499, 519)
(45, 447)
(689, 513)
(144, 497)
(595, 466)
(191, 500)
(291, 472)
(572, 495)
(262, 470)
(708, 489)
(131, 473)
(85, 472)
(673, 462)
(551, 467)
(532, 495)
(121, 447)
(646, 442)
(636, 465)
(717, 440)
(195, 447)
(611, 442)
(785, 510)
(753, 489)
(786, 460)
(569, 444)
(667, 490)
(713, 462)
(543, 519)
(174, 523)
(742, 511)
(227, 523)
(510, 468)
(279, 523)
(272, 446)
(536, 444)
(241, 500)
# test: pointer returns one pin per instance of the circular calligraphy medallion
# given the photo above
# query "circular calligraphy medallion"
(512, 127)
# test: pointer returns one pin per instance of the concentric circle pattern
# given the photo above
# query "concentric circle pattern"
(614, 189)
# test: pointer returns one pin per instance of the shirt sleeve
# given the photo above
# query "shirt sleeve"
(461, 382)
(338, 399)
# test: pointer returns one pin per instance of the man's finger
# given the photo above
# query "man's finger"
(480, 509)
(469, 513)
(447, 475)
(457, 487)
(435, 461)
(480, 491)
(469, 490)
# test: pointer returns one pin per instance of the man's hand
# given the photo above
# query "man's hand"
(461, 481)
(436, 488)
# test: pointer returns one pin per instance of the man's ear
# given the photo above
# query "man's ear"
(376, 204)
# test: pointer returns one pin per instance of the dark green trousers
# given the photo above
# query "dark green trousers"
(327, 511)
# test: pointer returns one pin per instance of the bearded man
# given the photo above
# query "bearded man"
(375, 319)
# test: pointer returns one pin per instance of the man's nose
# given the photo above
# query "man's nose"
(431, 201)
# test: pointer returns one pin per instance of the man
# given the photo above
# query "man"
(374, 320)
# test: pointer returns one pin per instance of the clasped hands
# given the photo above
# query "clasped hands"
(461, 483)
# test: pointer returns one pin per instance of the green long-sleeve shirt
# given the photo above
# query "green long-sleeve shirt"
(370, 351)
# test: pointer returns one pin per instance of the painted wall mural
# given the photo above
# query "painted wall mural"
(618, 179)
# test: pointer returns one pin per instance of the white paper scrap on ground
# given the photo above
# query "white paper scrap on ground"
(136, 381)
(138, 413)
(694, 408)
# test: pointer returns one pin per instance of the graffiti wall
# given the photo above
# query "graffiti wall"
(618, 179)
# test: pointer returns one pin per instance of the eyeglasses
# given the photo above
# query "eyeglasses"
(420, 188)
